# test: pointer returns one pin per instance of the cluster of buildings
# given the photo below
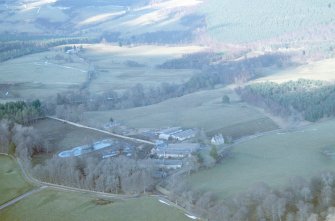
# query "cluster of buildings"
(169, 155)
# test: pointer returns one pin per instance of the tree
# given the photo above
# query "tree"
(225, 99)
(214, 153)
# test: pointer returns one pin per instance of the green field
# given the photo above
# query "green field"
(323, 70)
(41, 75)
(52, 205)
(113, 72)
(12, 183)
(272, 159)
(246, 21)
(202, 109)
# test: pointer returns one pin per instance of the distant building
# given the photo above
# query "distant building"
(184, 135)
(217, 140)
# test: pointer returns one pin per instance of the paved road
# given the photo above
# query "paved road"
(103, 131)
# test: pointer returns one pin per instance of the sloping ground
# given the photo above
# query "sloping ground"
(12, 184)
(69, 206)
(202, 109)
(247, 21)
(272, 158)
(42, 75)
(114, 72)
(321, 70)
(135, 17)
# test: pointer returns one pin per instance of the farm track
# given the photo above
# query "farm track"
(103, 131)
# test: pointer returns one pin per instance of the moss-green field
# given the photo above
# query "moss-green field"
(12, 184)
(272, 159)
(54, 205)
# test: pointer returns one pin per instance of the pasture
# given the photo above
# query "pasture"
(12, 183)
(55, 205)
(42, 75)
(115, 73)
(245, 21)
(323, 70)
(272, 158)
(203, 109)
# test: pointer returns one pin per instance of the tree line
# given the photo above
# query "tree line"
(113, 175)
(18, 48)
(312, 100)
(23, 142)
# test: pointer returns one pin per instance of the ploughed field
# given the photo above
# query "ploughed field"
(273, 158)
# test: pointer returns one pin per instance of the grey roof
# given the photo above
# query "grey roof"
(185, 133)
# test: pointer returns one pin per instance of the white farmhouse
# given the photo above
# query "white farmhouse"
(217, 140)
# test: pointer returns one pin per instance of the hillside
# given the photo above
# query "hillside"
(274, 22)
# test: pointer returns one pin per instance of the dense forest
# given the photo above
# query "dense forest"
(21, 112)
(312, 100)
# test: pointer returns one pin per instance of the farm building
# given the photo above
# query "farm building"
(217, 139)
(176, 133)
(181, 150)
(169, 164)
(167, 133)
(184, 135)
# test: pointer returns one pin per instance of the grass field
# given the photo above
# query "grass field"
(40, 75)
(243, 21)
(202, 109)
(321, 70)
(272, 159)
(55, 206)
(12, 183)
(61, 136)
(114, 73)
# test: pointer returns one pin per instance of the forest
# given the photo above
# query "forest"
(311, 100)
(21, 112)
